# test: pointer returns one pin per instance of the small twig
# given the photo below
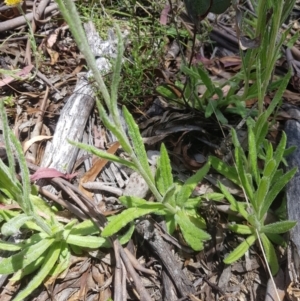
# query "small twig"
(137, 265)
(144, 295)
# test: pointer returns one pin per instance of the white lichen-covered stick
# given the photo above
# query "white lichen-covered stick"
(60, 154)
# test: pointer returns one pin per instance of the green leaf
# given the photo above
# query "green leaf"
(240, 250)
(240, 229)
(88, 241)
(270, 169)
(275, 189)
(7, 184)
(99, 153)
(235, 205)
(24, 202)
(253, 155)
(215, 196)
(240, 161)
(121, 220)
(193, 235)
(63, 261)
(116, 78)
(167, 92)
(9, 246)
(137, 142)
(170, 223)
(278, 96)
(270, 254)
(25, 257)
(278, 155)
(163, 177)
(190, 184)
(169, 196)
(13, 225)
(86, 227)
(278, 227)
(260, 129)
(124, 238)
(224, 169)
(48, 263)
(28, 269)
(261, 193)
(10, 171)
(132, 201)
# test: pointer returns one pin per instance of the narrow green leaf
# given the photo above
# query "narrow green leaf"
(24, 202)
(25, 257)
(261, 129)
(261, 193)
(137, 142)
(170, 223)
(86, 227)
(6, 130)
(278, 96)
(102, 154)
(28, 269)
(253, 155)
(121, 220)
(48, 263)
(275, 189)
(278, 227)
(9, 246)
(132, 201)
(88, 241)
(166, 92)
(116, 78)
(240, 250)
(13, 225)
(240, 229)
(163, 177)
(169, 196)
(270, 169)
(224, 169)
(190, 184)
(8, 185)
(124, 238)
(278, 155)
(269, 150)
(206, 79)
(118, 132)
(193, 235)
(235, 205)
(240, 161)
(215, 196)
(220, 116)
(270, 254)
(63, 261)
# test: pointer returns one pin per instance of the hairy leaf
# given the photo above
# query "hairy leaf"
(190, 184)
(240, 250)
(121, 220)
(193, 235)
